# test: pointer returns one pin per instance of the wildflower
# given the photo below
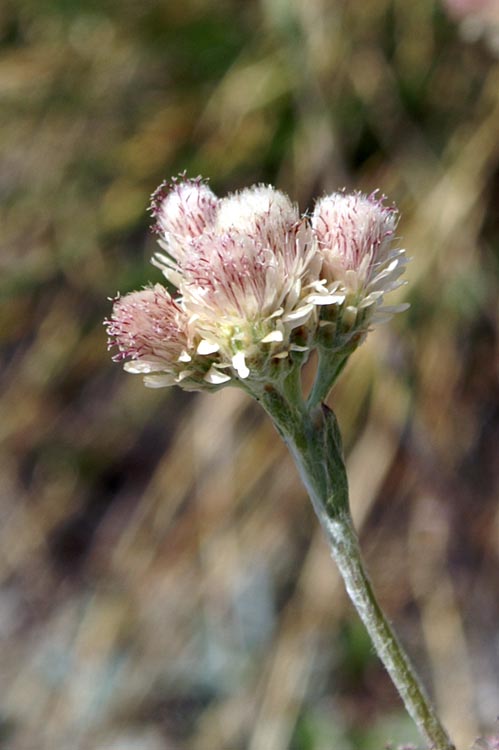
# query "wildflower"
(259, 211)
(183, 211)
(255, 282)
(355, 235)
(150, 332)
(243, 278)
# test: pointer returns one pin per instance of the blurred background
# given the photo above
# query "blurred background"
(163, 582)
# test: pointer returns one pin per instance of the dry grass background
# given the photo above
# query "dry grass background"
(163, 582)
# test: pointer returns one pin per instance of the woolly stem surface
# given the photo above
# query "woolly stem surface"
(312, 435)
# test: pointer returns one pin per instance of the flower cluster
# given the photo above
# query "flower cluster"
(255, 284)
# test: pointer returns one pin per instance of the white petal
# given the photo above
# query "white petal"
(370, 299)
(207, 347)
(294, 293)
(215, 377)
(167, 267)
(381, 279)
(326, 299)
(138, 367)
(276, 313)
(160, 259)
(159, 380)
(184, 357)
(389, 286)
(379, 318)
(299, 316)
(319, 286)
(273, 336)
(239, 365)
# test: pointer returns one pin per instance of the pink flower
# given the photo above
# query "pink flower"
(149, 329)
(183, 211)
(244, 278)
(255, 283)
(260, 211)
(355, 234)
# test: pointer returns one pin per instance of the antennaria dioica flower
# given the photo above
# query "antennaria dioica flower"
(257, 288)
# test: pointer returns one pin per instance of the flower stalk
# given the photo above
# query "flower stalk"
(313, 438)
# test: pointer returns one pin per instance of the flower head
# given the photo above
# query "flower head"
(243, 278)
(183, 210)
(150, 331)
(355, 234)
(255, 283)
(247, 295)
(260, 211)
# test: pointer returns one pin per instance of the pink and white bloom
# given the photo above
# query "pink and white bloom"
(183, 211)
(244, 278)
(150, 331)
(260, 211)
(355, 235)
(254, 282)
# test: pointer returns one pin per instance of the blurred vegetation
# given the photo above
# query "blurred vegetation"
(163, 582)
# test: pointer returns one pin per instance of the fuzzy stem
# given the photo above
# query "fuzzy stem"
(328, 370)
(345, 551)
(314, 441)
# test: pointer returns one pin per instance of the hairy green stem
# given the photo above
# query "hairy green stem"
(328, 369)
(313, 438)
(345, 551)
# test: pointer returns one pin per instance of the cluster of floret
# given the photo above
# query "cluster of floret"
(253, 285)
